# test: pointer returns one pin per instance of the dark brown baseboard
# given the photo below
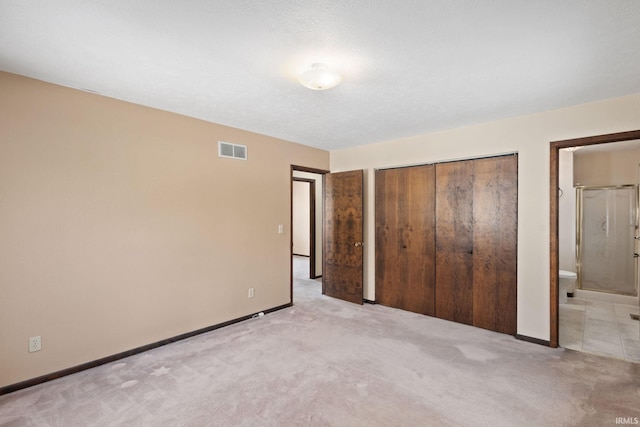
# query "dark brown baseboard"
(109, 359)
(533, 340)
(368, 301)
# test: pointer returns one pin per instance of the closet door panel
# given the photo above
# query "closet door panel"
(388, 211)
(405, 238)
(418, 239)
(454, 241)
(495, 244)
(506, 316)
(485, 248)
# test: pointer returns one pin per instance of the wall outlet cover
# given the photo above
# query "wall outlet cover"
(35, 344)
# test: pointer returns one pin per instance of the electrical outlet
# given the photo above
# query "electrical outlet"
(35, 344)
(250, 292)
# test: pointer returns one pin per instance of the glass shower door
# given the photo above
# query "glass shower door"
(607, 228)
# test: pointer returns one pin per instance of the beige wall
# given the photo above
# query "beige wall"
(120, 225)
(301, 227)
(530, 137)
(606, 168)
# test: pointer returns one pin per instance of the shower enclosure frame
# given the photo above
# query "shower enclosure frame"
(579, 233)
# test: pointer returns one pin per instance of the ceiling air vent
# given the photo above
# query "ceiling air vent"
(233, 151)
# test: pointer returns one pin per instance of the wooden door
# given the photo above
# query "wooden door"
(405, 239)
(454, 241)
(476, 242)
(495, 199)
(343, 236)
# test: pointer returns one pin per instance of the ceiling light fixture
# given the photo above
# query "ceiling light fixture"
(320, 77)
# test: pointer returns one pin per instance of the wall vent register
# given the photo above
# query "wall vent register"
(232, 151)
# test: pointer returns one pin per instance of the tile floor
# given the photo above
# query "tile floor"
(602, 328)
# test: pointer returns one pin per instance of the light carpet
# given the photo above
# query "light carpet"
(325, 362)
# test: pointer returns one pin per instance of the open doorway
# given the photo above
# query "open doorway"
(303, 221)
(555, 229)
(306, 224)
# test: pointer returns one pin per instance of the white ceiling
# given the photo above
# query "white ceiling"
(410, 66)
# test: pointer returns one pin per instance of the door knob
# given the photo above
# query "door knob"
(357, 244)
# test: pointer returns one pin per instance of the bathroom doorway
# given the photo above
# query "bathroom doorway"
(587, 209)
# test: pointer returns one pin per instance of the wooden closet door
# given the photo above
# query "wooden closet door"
(495, 198)
(389, 208)
(405, 238)
(454, 241)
